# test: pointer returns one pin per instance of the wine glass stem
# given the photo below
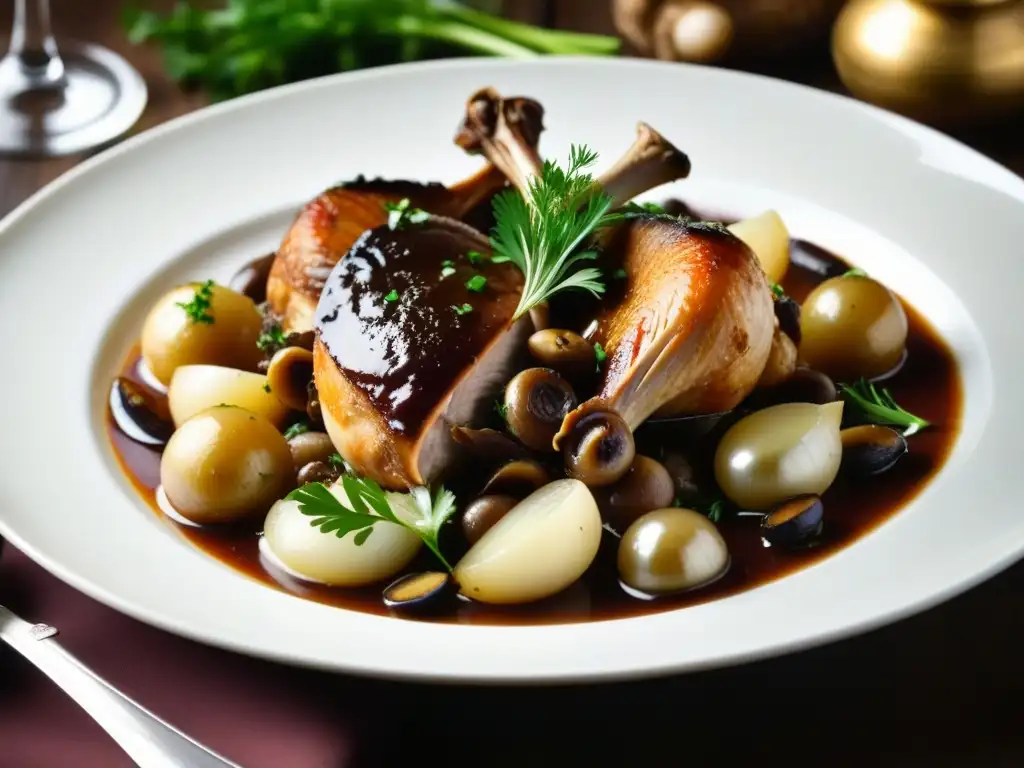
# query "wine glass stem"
(33, 46)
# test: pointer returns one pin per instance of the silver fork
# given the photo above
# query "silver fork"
(148, 740)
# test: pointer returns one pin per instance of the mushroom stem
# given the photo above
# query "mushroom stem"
(651, 161)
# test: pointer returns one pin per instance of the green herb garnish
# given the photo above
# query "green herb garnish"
(619, 274)
(634, 207)
(401, 214)
(370, 504)
(275, 337)
(476, 283)
(542, 232)
(298, 428)
(855, 272)
(777, 291)
(392, 296)
(600, 354)
(715, 510)
(197, 309)
(266, 388)
(246, 45)
(879, 407)
(474, 257)
(501, 409)
(463, 310)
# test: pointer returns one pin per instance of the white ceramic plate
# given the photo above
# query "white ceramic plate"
(82, 260)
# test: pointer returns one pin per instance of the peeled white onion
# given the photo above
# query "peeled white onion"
(324, 558)
(766, 235)
(537, 549)
(195, 388)
(670, 550)
(781, 452)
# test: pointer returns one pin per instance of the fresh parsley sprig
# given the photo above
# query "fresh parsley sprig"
(369, 505)
(198, 309)
(543, 231)
(879, 407)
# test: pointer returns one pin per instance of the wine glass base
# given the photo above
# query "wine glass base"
(102, 98)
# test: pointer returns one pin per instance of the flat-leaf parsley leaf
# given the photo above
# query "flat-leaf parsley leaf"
(369, 504)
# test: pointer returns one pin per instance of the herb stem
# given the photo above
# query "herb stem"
(468, 37)
(538, 38)
(437, 553)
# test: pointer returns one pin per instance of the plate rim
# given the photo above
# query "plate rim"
(154, 617)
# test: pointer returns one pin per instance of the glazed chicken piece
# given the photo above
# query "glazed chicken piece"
(397, 376)
(690, 329)
(327, 227)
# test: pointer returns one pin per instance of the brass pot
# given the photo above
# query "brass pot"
(942, 61)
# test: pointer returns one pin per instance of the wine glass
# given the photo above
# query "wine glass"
(62, 102)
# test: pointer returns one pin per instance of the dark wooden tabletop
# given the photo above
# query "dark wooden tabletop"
(944, 688)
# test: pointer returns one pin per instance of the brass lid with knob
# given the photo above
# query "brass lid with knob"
(942, 61)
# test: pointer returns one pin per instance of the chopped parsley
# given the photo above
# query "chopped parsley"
(476, 283)
(335, 460)
(198, 309)
(296, 429)
(266, 387)
(777, 291)
(600, 354)
(474, 257)
(275, 337)
(463, 310)
(392, 296)
(402, 213)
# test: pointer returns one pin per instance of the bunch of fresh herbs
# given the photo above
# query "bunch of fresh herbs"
(248, 45)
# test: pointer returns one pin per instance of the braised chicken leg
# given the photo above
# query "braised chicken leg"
(692, 328)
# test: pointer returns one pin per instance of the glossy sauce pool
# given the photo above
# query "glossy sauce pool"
(927, 385)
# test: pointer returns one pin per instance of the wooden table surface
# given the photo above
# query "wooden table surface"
(940, 689)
